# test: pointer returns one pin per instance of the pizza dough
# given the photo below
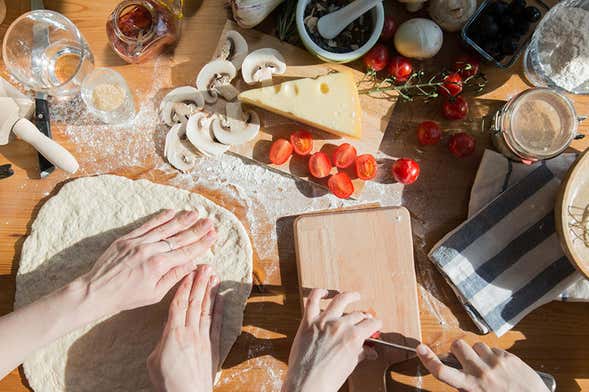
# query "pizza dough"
(71, 231)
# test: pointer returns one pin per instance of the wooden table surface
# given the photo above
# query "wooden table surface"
(554, 338)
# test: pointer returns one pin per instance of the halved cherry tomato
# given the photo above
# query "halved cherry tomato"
(466, 66)
(428, 133)
(400, 68)
(344, 156)
(302, 142)
(341, 185)
(462, 144)
(319, 165)
(455, 108)
(280, 151)
(406, 171)
(366, 167)
(377, 58)
(452, 85)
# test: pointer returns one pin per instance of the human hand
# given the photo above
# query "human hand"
(187, 355)
(483, 369)
(139, 268)
(328, 346)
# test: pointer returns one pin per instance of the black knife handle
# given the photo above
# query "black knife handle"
(42, 122)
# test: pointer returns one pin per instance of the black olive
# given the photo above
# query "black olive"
(517, 6)
(498, 8)
(488, 27)
(522, 28)
(507, 23)
(508, 46)
(491, 46)
(532, 14)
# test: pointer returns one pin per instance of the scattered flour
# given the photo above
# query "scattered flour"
(564, 46)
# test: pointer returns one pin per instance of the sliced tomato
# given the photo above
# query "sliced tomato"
(366, 167)
(302, 142)
(280, 151)
(344, 156)
(319, 165)
(341, 185)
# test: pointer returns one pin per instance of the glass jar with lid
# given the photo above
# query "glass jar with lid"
(537, 124)
(138, 30)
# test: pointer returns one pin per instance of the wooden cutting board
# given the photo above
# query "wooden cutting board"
(369, 251)
(301, 64)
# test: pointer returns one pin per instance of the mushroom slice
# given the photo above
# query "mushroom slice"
(198, 131)
(261, 64)
(177, 150)
(179, 103)
(234, 48)
(236, 127)
(213, 75)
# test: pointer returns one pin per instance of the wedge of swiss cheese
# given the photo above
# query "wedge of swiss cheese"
(328, 102)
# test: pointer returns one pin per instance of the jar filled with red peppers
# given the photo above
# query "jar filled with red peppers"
(138, 30)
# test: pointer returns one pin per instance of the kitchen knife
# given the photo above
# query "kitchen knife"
(451, 361)
(41, 119)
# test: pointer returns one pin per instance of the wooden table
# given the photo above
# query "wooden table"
(554, 338)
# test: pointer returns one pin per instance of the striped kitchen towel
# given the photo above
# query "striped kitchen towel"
(506, 261)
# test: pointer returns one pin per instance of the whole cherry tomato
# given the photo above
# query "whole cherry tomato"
(467, 66)
(377, 58)
(406, 171)
(428, 133)
(462, 144)
(455, 108)
(452, 85)
(388, 29)
(400, 68)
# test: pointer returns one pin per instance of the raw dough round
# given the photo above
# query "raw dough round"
(71, 231)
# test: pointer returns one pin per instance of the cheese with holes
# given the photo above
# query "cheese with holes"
(328, 102)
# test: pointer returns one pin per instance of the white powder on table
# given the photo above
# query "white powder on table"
(563, 47)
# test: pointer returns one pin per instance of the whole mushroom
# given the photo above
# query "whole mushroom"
(236, 127)
(233, 48)
(419, 38)
(261, 64)
(451, 15)
(199, 133)
(215, 78)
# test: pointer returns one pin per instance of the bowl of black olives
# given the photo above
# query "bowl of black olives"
(500, 29)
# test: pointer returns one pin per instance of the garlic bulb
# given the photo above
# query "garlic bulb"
(249, 13)
(418, 38)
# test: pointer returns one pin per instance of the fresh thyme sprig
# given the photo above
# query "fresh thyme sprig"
(286, 20)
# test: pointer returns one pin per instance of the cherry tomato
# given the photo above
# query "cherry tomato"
(319, 165)
(428, 133)
(341, 185)
(466, 66)
(461, 144)
(375, 335)
(406, 171)
(366, 167)
(400, 68)
(452, 85)
(344, 156)
(388, 29)
(377, 58)
(302, 142)
(455, 108)
(280, 151)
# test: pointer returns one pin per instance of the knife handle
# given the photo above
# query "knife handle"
(55, 153)
(43, 124)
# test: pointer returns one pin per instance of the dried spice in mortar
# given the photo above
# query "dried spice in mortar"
(351, 38)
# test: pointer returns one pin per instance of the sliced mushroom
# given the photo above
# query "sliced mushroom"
(212, 76)
(234, 48)
(177, 150)
(179, 104)
(261, 64)
(198, 131)
(236, 127)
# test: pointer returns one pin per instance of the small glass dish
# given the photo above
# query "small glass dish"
(107, 96)
(507, 61)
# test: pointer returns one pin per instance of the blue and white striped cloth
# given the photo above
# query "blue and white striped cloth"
(506, 260)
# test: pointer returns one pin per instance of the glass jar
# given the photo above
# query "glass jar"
(138, 30)
(537, 124)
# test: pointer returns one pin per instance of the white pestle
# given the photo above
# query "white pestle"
(330, 25)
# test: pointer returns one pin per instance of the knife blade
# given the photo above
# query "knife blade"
(450, 360)
(42, 120)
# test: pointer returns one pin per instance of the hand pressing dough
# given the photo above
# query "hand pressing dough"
(71, 231)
